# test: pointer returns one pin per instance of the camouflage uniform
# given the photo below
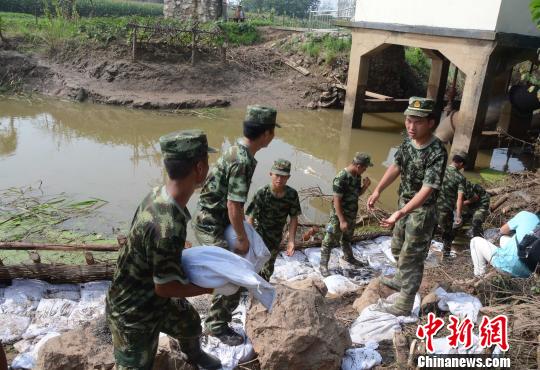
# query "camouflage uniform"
(348, 187)
(229, 179)
(135, 313)
(419, 166)
(478, 209)
(453, 183)
(270, 215)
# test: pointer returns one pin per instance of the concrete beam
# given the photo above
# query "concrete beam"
(438, 77)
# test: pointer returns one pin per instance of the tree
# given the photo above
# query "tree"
(535, 12)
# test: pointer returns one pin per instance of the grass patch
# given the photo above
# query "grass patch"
(85, 8)
(419, 62)
(241, 33)
(492, 176)
(328, 47)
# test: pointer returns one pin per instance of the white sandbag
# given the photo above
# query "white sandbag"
(54, 308)
(372, 324)
(27, 360)
(231, 356)
(385, 240)
(213, 267)
(23, 290)
(314, 256)
(258, 253)
(292, 270)
(85, 311)
(13, 326)
(339, 285)
(94, 291)
(297, 256)
(51, 315)
(361, 358)
(442, 346)
(462, 305)
(63, 291)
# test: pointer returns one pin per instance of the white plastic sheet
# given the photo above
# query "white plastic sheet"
(258, 253)
(362, 358)
(27, 360)
(13, 326)
(462, 305)
(372, 324)
(212, 267)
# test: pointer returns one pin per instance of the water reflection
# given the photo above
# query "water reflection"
(112, 153)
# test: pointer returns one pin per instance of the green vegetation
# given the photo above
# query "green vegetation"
(534, 5)
(84, 8)
(329, 47)
(419, 62)
(492, 176)
(241, 33)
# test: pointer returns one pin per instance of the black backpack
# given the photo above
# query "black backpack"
(529, 249)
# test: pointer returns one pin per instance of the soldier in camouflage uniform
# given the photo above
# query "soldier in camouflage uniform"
(149, 271)
(450, 198)
(420, 161)
(477, 203)
(268, 213)
(222, 203)
(347, 188)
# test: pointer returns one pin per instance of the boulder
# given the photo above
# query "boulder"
(300, 333)
(371, 295)
(312, 284)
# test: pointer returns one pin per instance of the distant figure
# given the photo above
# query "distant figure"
(239, 15)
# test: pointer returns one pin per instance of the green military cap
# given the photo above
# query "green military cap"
(185, 144)
(281, 167)
(363, 159)
(420, 107)
(259, 115)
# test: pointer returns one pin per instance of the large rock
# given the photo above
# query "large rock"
(90, 348)
(300, 333)
(371, 295)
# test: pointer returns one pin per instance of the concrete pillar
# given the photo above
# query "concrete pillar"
(438, 77)
(361, 52)
(474, 104)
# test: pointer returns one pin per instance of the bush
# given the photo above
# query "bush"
(101, 8)
(328, 46)
(419, 62)
(241, 33)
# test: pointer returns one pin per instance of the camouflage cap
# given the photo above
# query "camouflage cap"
(419, 107)
(259, 115)
(281, 167)
(363, 159)
(185, 144)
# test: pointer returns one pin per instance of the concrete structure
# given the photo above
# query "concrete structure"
(203, 10)
(483, 38)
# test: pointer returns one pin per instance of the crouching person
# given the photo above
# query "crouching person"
(504, 258)
(268, 212)
(149, 273)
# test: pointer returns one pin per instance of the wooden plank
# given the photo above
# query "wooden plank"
(58, 273)
(373, 95)
(296, 67)
(58, 247)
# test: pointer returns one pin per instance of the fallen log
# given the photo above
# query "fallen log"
(512, 188)
(58, 273)
(499, 202)
(59, 247)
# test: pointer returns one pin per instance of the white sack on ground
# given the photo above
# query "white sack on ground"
(462, 305)
(288, 271)
(362, 358)
(339, 285)
(231, 356)
(213, 267)
(298, 256)
(375, 325)
(258, 253)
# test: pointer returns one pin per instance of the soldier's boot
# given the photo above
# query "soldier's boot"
(349, 258)
(477, 229)
(402, 307)
(229, 337)
(196, 356)
(390, 283)
(447, 250)
(325, 257)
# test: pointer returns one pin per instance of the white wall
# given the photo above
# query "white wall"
(461, 14)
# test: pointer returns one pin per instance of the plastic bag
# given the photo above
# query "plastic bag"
(258, 253)
(361, 358)
(462, 305)
(292, 270)
(213, 267)
(13, 326)
(94, 291)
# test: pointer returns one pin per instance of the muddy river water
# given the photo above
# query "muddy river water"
(112, 153)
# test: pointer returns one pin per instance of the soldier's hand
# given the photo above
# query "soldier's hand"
(367, 182)
(344, 226)
(372, 200)
(391, 221)
(242, 246)
(290, 248)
